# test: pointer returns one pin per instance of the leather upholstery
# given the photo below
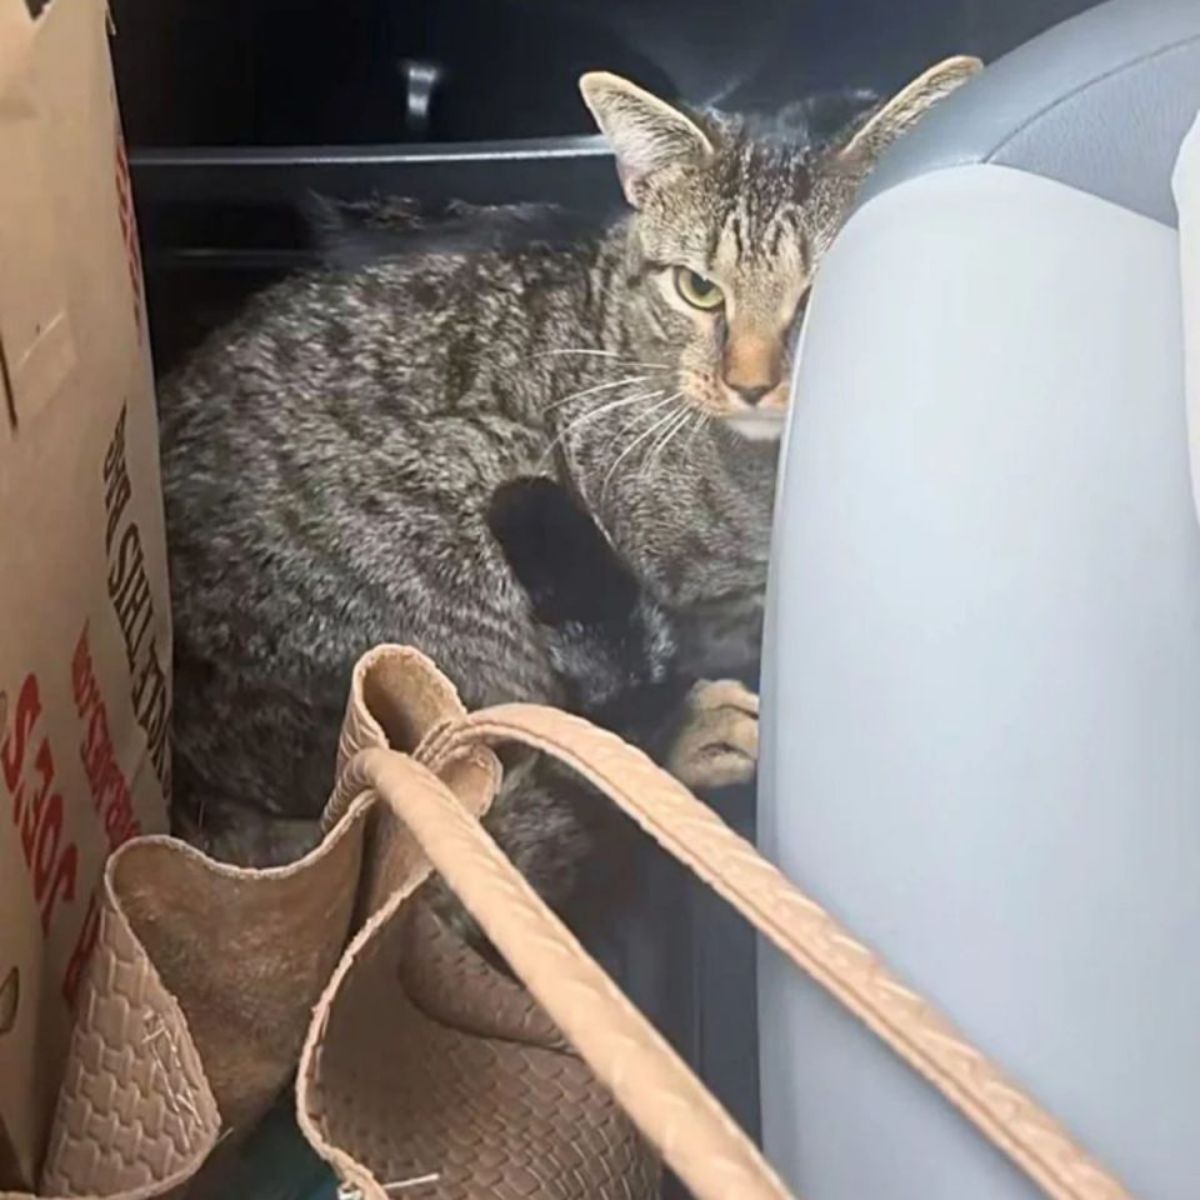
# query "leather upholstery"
(1100, 102)
(982, 665)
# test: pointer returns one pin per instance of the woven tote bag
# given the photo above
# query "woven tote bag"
(418, 1069)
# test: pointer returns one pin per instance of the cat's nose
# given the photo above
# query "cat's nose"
(753, 393)
(752, 366)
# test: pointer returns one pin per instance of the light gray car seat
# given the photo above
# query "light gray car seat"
(982, 672)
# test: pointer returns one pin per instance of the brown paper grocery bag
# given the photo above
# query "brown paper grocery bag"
(84, 631)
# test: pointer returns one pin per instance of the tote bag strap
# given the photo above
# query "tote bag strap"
(671, 1107)
(800, 928)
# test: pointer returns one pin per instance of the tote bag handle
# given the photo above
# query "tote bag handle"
(669, 1104)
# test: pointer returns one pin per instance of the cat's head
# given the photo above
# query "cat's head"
(727, 231)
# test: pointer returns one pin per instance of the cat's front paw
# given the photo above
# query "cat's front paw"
(717, 742)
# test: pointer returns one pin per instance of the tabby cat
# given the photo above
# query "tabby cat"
(331, 455)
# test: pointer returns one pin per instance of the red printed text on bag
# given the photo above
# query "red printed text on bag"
(28, 774)
(106, 781)
(129, 234)
(133, 604)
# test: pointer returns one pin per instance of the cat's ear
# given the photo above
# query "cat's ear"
(906, 108)
(647, 134)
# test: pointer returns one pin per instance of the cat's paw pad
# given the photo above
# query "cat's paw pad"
(717, 743)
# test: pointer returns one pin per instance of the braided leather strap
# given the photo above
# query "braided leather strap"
(800, 928)
(671, 1107)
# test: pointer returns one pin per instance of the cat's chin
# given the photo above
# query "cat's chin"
(755, 426)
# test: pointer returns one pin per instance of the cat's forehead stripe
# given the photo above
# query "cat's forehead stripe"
(758, 239)
(759, 192)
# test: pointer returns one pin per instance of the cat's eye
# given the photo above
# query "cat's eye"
(698, 291)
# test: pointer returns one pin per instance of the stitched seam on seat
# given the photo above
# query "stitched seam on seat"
(1058, 101)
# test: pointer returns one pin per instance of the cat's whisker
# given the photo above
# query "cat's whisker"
(655, 453)
(702, 419)
(612, 355)
(592, 414)
(642, 418)
(600, 387)
(678, 429)
(637, 441)
(656, 442)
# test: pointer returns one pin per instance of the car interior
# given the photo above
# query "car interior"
(980, 662)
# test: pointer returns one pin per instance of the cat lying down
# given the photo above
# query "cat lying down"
(616, 650)
(335, 462)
